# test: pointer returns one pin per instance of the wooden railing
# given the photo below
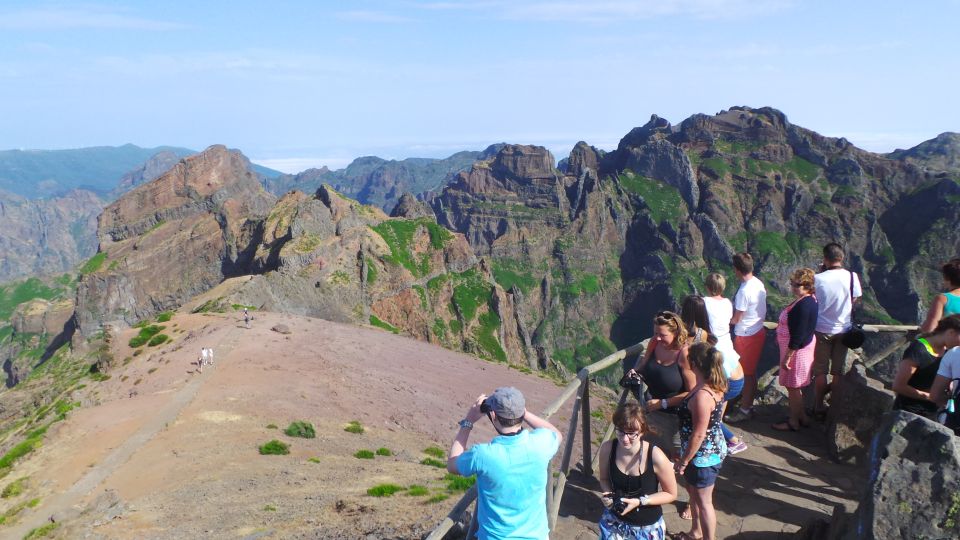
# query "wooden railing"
(579, 387)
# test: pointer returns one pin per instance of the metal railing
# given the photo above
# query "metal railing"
(579, 387)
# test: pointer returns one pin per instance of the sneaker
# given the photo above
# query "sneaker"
(736, 448)
(738, 415)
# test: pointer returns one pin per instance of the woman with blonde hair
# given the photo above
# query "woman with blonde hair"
(795, 336)
(702, 445)
(637, 479)
(664, 369)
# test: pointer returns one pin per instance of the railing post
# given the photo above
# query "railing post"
(587, 439)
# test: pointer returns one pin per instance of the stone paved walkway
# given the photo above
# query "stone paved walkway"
(782, 482)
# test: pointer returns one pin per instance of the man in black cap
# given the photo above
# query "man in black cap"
(511, 469)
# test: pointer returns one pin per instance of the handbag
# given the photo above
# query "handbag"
(853, 338)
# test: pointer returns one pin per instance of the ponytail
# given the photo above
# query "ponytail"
(947, 323)
(709, 362)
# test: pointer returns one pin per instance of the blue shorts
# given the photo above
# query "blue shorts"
(733, 389)
(701, 477)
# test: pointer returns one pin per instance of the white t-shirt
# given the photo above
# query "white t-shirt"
(719, 311)
(950, 364)
(833, 299)
(751, 299)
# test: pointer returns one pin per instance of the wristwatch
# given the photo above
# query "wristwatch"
(663, 404)
(644, 499)
(466, 424)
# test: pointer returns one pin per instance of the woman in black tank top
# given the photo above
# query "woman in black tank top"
(636, 478)
(663, 366)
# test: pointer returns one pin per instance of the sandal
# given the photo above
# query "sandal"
(685, 513)
(686, 536)
(785, 425)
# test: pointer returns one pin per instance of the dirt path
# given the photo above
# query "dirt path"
(66, 504)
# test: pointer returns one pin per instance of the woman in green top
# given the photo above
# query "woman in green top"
(919, 365)
(948, 303)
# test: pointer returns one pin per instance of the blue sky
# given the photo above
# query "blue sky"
(301, 84)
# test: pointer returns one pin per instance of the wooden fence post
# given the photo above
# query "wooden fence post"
(587, 440)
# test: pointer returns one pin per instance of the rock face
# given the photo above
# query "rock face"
(600, 244)
(46, 236)
(942, 153)
(857, 410)
(173, 238)
(914, 482)
(153, 168)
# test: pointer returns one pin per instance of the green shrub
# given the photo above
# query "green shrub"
(459, 483)
(14, 488)
(275, 448)
(417, 491)
(313, 460)
(371, 272)
(145, 335)
(100, 377)
(93, 263)
(440, 497)
(271, 426)
(302, 429)
(374, 321)
(41, 532)
(363, 454)
(354, 427)
(384, 452)
(269, 508)
(435, 451)
(158, 340)
(165, 316)
(384, 490)
(434, 463)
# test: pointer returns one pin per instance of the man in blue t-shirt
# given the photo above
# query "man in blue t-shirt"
(511, 469)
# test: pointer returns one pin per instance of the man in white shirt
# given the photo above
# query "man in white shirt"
(835, 300)
(749, 311)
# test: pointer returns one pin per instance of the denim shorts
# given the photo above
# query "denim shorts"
(701, 477)
(734, 388)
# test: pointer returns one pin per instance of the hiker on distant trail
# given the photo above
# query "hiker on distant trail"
(719, 312)
(664, 369)
(948, 303)
(639, 475)
(511, 469)
(919, 366)
(246, 318)
(200, 362)
(750, 309)
(837, 290)
(204, 356)
(795, 336)
(703, 447)
(210, 355)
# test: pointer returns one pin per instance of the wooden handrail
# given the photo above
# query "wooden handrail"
(579, 387)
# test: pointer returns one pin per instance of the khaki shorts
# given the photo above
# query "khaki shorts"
(829, 355)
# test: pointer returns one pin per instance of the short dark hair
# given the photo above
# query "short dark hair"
(951, 272)
(743, 263)
(833, 252)
(509, 422)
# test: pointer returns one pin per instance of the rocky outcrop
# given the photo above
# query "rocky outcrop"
(153, 168)
(914, 482)
(46, 236)
(409, 207)
(857, 409)
(39, 316)
(173, 238)
(941, 153)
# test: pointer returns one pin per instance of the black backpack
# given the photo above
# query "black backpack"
(950, 415)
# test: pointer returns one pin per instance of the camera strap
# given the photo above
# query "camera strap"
(517, 432)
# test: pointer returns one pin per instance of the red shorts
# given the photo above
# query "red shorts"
(749, 349)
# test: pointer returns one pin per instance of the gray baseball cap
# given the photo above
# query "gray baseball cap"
(507, 402)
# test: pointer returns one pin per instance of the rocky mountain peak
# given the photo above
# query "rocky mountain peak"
(941, 153)
(524, 161)
(409, 207)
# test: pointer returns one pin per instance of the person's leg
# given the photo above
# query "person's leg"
(695, 528)
(838, 363)
(706, 513)
(822, 352)
(749, 348)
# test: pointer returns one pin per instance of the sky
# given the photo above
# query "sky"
(303, 84)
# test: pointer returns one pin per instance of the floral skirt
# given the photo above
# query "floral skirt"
(612, 528)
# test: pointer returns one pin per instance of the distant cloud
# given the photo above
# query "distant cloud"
(66, 18)
(372, 17)
(613, 10)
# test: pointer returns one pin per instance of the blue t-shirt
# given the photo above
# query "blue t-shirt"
(511, 484)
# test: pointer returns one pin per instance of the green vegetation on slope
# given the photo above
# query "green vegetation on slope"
(14, 294)
(509, 272)
(399, 233)
(93, 263)
(663, 200)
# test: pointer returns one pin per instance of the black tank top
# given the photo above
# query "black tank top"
(662, 381)
(633, 487)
